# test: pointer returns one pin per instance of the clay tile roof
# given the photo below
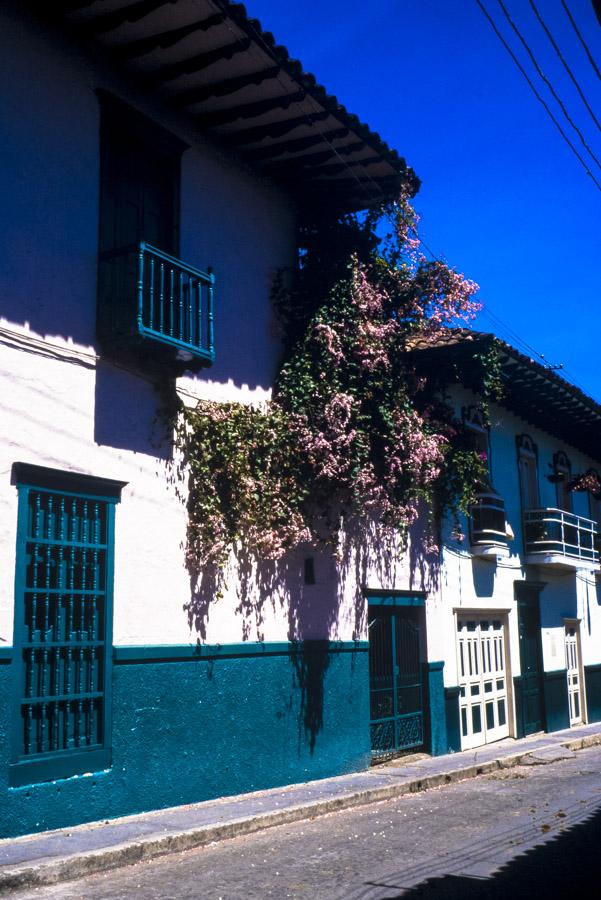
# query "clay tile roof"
(531, 389)
(211, 61)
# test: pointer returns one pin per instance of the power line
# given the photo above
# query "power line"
(368, 179)
(581, 39)
(548, 83)
(538, 96)
(503, 325)
(565, 65)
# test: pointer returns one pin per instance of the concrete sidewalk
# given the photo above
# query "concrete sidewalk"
(73, 852)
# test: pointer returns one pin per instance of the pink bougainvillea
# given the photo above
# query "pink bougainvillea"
(351, 428)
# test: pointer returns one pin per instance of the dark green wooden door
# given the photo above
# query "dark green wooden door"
(395, 680)
(532, 713)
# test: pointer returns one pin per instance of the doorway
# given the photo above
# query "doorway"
(574, 672)
(532, 712)
(395, 679)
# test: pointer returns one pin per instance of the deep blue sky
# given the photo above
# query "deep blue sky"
(502, 198)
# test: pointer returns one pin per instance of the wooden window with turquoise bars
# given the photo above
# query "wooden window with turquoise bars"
(63, 623)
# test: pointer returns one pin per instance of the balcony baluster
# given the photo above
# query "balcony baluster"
(151, 300)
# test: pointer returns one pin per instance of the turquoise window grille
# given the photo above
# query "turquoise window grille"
(63, 624)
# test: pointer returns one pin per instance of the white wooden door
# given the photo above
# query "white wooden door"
(482, 680)
(572, 640)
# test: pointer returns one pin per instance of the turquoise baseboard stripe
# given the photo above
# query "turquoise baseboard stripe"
(6, 655)
(217, 726)
(451, 697)
(557, 713)
(437, 730)
(193, 652)
(592, 683)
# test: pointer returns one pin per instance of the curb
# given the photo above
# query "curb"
(47, 872)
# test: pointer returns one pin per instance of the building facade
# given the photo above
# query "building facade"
(157, 161)
(511, 609)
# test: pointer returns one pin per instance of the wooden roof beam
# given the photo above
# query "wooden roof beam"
(296, 146)
(335, 168)
(274, 129)
(164, 39)
(250, 110)
(197, 63)
(294, 167)
(223, 88)
(313, 159)
(110, 20)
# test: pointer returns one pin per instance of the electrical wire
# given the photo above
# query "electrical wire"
(564, 63)
(537, 95)
(367, 178)
(514, 337)
(542, 75)
(581, 39)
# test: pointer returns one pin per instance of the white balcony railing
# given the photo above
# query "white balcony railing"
(556, 536)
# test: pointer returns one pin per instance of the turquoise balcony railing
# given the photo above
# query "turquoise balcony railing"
(153, 303)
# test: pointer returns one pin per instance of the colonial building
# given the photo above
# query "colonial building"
(157, 158)
(512, 609)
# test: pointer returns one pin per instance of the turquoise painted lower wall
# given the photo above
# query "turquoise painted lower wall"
(452, 723)
(194, 728)
(557, 711)
(434, 708)
(592, 683)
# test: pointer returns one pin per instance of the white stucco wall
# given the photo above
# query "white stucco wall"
(471, 583)
(63, 407)
(60, 405)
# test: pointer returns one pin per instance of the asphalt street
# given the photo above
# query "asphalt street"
(516, 833)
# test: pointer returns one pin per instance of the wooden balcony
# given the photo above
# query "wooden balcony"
(156, 307)
(554, 537)
(488, 526)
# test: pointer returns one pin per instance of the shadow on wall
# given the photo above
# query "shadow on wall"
(310, 663)
(311, 609)
(132, 413)
(567, 866)
(315, 607)
(424, 555)
(483, 577)
(558, 599)
(46, 287)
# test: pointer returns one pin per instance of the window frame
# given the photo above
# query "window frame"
(474, 422)
(594, 500)
(527, 450)
(63, 763)
(122, 127)
(563, 466)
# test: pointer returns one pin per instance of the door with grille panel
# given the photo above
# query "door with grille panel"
(483, 676)
(574, 672)
(395, 674)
